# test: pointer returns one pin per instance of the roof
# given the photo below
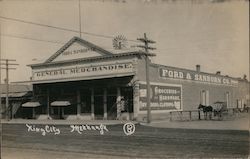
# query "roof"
(81, 41)
(111, 56)
(14, 88)
(105, 54)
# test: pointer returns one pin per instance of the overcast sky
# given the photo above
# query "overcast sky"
(214, 35)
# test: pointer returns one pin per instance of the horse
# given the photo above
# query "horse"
(206, 110)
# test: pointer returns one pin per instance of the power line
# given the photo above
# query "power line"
(59, 28)
(28, 38)
(35, 39)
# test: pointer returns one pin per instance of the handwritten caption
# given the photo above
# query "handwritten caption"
(128, 129)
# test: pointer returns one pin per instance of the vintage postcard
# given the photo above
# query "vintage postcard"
(124, 79)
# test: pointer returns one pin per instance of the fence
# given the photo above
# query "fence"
(185, 115)
(190, 115)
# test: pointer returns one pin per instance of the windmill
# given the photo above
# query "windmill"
(120, 42)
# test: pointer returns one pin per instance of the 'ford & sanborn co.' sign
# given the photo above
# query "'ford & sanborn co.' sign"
(201, 77)
(82, 71)
(163, 96)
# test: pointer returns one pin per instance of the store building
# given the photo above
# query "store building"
(84, 81)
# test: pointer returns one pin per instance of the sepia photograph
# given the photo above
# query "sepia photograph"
(124, 79)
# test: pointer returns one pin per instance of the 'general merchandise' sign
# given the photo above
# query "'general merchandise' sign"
(62, 72)
(163, 96)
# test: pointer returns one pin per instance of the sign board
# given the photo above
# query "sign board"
(163, 96)
(62, 72)
(195, 76)
(76, 51)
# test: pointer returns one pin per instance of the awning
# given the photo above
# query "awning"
(14, 94)
(60, 103)
(31, 104)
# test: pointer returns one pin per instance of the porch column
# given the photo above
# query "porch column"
(78, 100)
(33, 112)
(92, 104)
(118, 102)
(136, 100)
(62, 112)
(48, 104)
(105, 104)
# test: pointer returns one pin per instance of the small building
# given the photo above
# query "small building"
(82, 80)
(18, 94)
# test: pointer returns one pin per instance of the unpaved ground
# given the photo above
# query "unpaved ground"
(146, 142)
(240, 122)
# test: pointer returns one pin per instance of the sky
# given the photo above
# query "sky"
(187, 32)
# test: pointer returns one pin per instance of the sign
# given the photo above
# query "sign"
(76, 51)
(163, 96)
(195, 76)
(82, 71)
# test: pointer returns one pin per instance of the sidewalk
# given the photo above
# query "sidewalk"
(239, 123)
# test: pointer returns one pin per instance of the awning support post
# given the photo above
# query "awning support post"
(105, 116)
(118, 103)
(92, 104)
(48, 104)
(78, 103)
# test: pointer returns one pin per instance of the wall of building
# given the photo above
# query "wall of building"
(191, 89)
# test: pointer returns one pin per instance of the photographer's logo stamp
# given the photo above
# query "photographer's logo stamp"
(129, 128)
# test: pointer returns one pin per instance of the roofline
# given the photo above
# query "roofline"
(133, 53)
(235, 78)
(71, 41)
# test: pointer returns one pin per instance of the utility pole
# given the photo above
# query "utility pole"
(146, 42)
(0, 71)
(7, 68)
(80, 20)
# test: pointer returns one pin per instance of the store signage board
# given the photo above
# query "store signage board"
(76, 71)
(163, 96)
(77, 51)
(195, 76)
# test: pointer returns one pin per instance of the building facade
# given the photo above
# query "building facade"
(84, 81)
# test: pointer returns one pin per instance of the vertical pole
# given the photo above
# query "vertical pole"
(78, 100)
(92, 104)
(33, 112)
(147, 81)
(8, 115)
(136, 100)
(0, 72)
(62, 112)
(48, 104)
(105, 103)
(118, 103)
(199, 114)
(190, 115)
(80, 21)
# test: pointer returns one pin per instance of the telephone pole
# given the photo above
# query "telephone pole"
(7, 68)
(146, 42)
(80, 20)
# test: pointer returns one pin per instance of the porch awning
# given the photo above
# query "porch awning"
(60, 103)
(31, 104)
(14, 94)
